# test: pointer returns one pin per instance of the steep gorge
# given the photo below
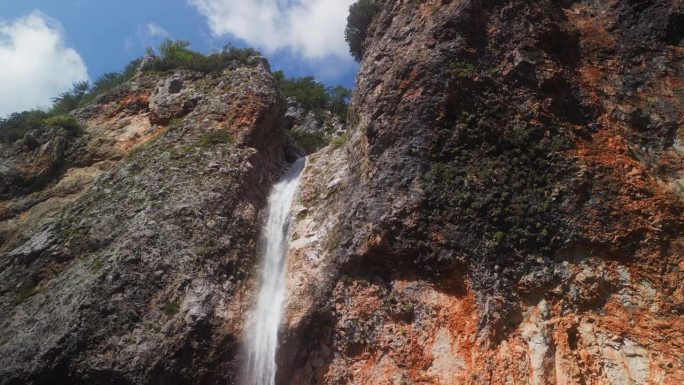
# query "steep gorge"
(506, 207)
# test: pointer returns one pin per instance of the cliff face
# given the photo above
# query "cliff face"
(512, 208)
(506, 207)
(127, 251)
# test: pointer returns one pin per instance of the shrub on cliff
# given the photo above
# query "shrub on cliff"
(360, 17)
(310, 142)
(69, 100)
(16, 125)
(338, 100)
(109, 81)
(313, 95)
(305, 90)
(66, 122)
(176, 54)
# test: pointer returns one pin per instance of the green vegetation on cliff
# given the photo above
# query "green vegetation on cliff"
(324, 102)
(313, 95)
(310, 142)
(502, 180)
(360, 17)
(16, 125)
(67, 101)
(173, 55)
(177, 55)
(109, 81)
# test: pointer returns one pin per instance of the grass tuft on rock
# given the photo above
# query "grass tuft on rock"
(215, 138)
(26, 292)
(66, 122)
(171, 308)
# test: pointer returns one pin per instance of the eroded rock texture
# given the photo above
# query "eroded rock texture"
(512, 210)
(127, 251)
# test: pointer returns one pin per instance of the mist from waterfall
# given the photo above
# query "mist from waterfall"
(261, 337)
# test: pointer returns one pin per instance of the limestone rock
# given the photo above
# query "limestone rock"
(117, 246)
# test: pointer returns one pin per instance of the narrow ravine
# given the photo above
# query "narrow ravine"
(261, 337)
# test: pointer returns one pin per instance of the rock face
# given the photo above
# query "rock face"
(506, 207)
(307, 121)
(512, 209)
(127, 252)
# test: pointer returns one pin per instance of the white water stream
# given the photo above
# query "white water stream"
(261, 338)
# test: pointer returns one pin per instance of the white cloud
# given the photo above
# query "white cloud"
(35, 64)
(313, 29)
(147, 35)
(153, 30)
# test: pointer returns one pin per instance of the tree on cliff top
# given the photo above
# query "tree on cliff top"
(313, 95)
(176, 54)
(360, 17)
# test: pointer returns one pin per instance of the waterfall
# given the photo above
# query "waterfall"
(261, 338)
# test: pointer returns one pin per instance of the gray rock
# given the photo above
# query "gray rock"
(127, 270)
(43, 242)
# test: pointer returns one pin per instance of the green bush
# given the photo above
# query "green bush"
(313, 95)
(214, 138)
(66, 122)
(310, 142)
(16, 125)
(177, 55)
(109, 81)
(461, 69)
(69, 100)
(174, 55)
(361, 15)
(306, 90)
(171, 308)
(177, 51)
(340, 141)
(338, 100)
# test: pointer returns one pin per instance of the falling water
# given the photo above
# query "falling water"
(261, 338)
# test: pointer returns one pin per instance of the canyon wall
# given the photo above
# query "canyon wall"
(128, 251)
(509, 206)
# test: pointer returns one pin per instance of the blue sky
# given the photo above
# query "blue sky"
(45, 45)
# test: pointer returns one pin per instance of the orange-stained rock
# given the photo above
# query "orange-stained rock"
(513, 210)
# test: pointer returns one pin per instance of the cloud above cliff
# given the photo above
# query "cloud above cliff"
(35, 63)
(153, 30)
(147, 35)
(312, 29)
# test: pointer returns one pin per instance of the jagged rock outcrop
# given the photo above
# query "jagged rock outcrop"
(127, 251)
(307, 121)
(512, 209)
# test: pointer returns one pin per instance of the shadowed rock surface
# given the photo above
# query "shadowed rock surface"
(511, 210)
